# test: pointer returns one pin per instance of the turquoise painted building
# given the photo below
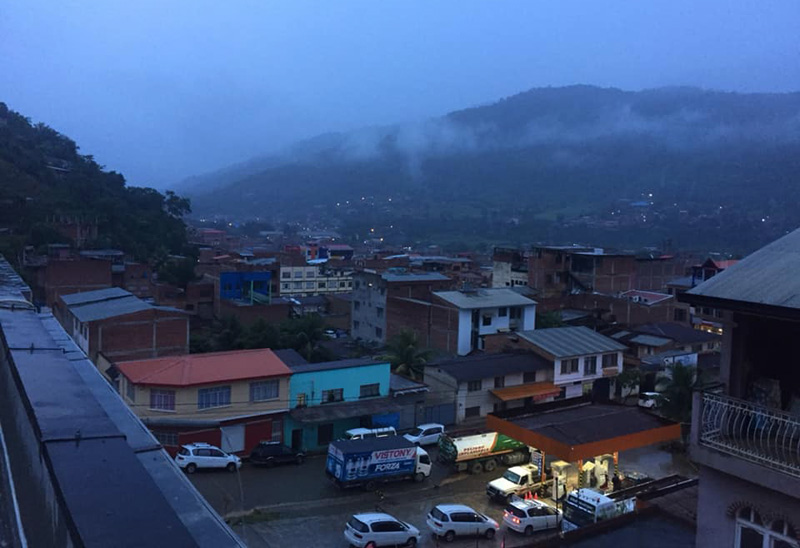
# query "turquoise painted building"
(327, 399)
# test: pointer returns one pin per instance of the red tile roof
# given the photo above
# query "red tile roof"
(215, 367)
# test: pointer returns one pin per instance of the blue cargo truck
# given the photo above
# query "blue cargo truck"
(368, 462)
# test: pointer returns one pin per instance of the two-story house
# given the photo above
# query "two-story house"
(583, 361)
(230, 399)
(473, 386)
(327, 399)
(746, 435)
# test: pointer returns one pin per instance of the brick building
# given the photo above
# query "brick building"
(120, 326)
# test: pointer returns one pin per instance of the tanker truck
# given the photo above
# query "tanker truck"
(481, 452)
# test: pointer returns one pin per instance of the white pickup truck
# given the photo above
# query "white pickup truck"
(517, 480)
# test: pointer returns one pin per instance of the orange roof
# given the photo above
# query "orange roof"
(726, 264)
(215, 367)
(536, 390)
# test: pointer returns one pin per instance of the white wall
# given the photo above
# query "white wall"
(464, 328)
(529, 318)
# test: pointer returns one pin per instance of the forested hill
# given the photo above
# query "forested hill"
(547, 154)
(44, 180)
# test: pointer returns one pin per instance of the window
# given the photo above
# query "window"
(309, 285)
(163, 400)
(378, 332)
(286, 274)
(499, 382)
(334, 395)
(680, 315)
(342, 284)
(219, 396)
(309, 273)
(358, 284)
(379, 311)
(369, 390)
(753, 532)
(472, 412)
(697, 348)
(321, 285)
(569, 366)
(473, 386)
(515, 313)
(487, 320)
(529, 376)
(356, 324)
(166, 438)
(609, 360)
(130, 390)
(590, 365)
(301, 400)
(502, 312)
(285, 286)
(264, 390)
(297, 285)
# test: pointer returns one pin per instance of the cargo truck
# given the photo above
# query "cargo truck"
(368, 462)
(586, 506)
(481, 452)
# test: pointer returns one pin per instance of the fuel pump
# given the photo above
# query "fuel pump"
(603, 465)
(560, 470)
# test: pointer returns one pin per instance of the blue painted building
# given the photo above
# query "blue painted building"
(245, 285)
(327, 399)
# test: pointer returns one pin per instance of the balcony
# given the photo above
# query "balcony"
(759, 435)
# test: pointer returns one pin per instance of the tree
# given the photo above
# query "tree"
(676, 392)
(549, 319)
(406, 357)
(628, 380)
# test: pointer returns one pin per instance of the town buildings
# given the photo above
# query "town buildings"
(113, 325)
(746, 435)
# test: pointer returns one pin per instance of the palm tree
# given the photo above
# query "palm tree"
(676, 392)
(406, 357)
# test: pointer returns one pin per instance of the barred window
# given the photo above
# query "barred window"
(219, 396)
(162, 400)
(264, 390)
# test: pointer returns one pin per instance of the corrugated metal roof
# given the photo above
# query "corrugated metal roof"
(338, 364)
(399, 384)
(650, 340)
(486, 366)
(767, 277)
(108, 309)
(484, 298)
(413, 277)
(564, 342)
(95, 296)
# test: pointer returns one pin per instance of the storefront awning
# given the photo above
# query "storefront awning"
(536, 390)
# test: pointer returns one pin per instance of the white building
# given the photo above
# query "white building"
(315, 279)
(482, 312)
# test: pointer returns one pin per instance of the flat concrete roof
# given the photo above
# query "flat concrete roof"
(587, 430)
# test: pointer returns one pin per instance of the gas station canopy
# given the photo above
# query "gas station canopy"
(586, 430)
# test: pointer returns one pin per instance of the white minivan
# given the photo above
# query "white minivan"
(425, 434)
(365, 433)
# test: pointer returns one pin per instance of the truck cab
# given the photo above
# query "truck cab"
(517, 480)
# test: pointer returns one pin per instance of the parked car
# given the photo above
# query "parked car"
(270, 453)
(451, 520)
(649, 400)
(365, 433)
(529, 516)
(425, 434)
(374, 530)
(203, 455)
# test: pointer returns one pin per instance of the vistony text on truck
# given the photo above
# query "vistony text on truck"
(368, 462)
(481, 452)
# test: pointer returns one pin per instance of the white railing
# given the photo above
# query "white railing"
(752, 432)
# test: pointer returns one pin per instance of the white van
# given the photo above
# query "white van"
(365, 433)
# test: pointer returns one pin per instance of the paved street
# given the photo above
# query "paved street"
(300, 502)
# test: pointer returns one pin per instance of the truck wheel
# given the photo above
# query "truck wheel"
(490, 465)
(529, 531)
(419, 477)
(370, 486)
(476, 468)
(450, 536)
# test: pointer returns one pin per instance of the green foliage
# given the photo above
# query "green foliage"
(549, 319)
(303, 334)
(628, 380)
(44, 177)
(676, 392)
(178, 272)
(404, 354)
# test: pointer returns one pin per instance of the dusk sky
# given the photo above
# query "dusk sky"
(163, 90)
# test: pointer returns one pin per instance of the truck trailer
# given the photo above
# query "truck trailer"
(368, 462)
(481, 452)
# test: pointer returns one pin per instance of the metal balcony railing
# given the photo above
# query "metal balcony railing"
(752, 432)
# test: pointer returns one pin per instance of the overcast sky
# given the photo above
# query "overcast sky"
(160, 90)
